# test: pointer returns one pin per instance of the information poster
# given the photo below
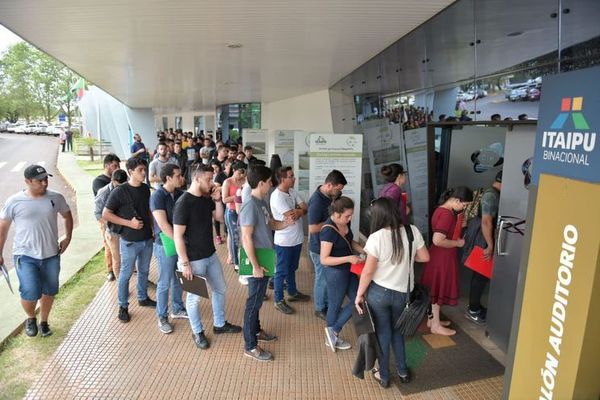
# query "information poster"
(284, 146)
(302, 164)
(257, 138)
(385, 146)
(415, 143)
(342, 152)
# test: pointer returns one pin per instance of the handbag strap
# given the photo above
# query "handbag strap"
(339, 233)
(411, 238)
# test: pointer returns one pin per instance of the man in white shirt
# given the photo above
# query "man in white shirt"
(286, 204)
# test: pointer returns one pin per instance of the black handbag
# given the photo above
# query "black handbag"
(418, 301)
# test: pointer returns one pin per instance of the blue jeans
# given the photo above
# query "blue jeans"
(386, 307)
(233, 241)
(37, 277)
(340, 283)
(130, 252)
(288, 259)
(166, 279)
(320, 289)
(257, 287)
(211, 269)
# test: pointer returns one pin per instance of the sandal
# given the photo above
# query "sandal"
(377, 377)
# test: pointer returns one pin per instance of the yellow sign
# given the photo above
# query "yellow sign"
(558, 345)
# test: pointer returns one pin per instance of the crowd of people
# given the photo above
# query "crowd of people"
(173, 208)
(410, 117)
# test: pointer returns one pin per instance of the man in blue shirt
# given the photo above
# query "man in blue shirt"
(318, 212)
(138, 149)
(162, 203)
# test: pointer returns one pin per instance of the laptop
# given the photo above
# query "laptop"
(196, 286)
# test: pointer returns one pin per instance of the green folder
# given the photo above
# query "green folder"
(265, 257)
(168, 245)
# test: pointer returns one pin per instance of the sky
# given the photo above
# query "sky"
(7, 38)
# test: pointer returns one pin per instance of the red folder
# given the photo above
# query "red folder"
(477, 263)
(357, 268)
(457, 234)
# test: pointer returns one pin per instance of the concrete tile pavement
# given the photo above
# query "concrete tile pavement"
(85, 244)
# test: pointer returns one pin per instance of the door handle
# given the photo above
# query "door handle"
(499, 239)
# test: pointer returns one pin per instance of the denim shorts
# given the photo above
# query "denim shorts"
(37, 277)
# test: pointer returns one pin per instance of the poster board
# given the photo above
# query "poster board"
(302, 164)
(343, 152)
(257, 138)
(283, 145)
(415, 144)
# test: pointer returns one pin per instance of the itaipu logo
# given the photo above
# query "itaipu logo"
(573, 144)
(320, 140)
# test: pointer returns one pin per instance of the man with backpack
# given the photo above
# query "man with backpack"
(481, 226)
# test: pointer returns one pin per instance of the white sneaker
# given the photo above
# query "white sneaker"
(243, 280)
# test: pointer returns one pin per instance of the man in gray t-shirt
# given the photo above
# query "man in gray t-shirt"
(159, 163)
(256, 223)
(36, 249)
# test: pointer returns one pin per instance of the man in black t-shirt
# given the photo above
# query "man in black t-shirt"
(128, 207)
(111, 164)
(192, 232)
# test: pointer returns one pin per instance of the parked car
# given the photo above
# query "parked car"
(54, 130)
(465, 96)
(19, 128)
(3, 126)
(518, 94)
(534, 94)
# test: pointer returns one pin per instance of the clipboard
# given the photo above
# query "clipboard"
(265, 257)
(196, 286)
(477, 263)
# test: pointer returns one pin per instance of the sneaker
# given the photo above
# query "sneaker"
(45, 330)
(405, 378)
(110, 277)
(236, 268)
(263, 336)
(182, 314)
(321, 314)
(243, 280)
(299, 296)
(31, 328)
(124, 314)
(227, 328)
(147, 302)
(284, 307)
(477, 317)
(164, 325)
(200, 340)
(341, 344)
(259, 354)
(331, 338)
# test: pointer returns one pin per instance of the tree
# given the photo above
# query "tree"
(34, 85)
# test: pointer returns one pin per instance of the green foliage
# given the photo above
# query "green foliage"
(34, 85)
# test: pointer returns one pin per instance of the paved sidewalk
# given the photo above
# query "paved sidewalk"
(102, 358)
(85, 244)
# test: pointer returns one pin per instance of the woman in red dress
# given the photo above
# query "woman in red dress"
(440, 274)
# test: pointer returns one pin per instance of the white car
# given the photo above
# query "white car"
(18, 128)
(54, 130)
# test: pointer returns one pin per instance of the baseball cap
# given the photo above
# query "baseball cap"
(36, 172)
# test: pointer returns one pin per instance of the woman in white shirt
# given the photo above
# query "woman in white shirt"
(385, 281)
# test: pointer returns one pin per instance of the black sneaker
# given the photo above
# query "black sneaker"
(227, 328)
(45, 329)
(31, 328)
(265, 337)
(200, 340)
(299, 296)
(476, 316)
(321, 314)
(124, 314)
(284, 307)
(110, 277)
(147, 302)
(405, 378)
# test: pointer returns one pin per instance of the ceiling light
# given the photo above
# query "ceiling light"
(234, 45)
(513, 34)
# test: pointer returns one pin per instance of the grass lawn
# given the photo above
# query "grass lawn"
(23, 358)
(94, 168)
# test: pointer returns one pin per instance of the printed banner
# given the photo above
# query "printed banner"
(415, 143)
(342, 152)
(302, 164)
(257, 138)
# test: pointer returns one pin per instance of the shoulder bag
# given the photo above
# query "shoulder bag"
(418, 301)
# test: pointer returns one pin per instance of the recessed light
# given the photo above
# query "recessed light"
(234, 45)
